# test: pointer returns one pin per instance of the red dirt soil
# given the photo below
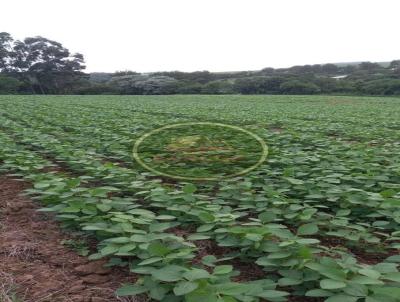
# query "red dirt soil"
(37, 266)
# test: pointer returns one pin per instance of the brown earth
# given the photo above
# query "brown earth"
(37, 267)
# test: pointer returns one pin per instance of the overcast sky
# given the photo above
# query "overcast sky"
(215, 35)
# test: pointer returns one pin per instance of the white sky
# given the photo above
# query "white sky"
(215, 35)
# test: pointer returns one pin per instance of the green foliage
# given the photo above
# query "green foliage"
(382, 87)
(80, 246)
(299, 87)
(305, 222)
(44, 66)
(9, 85)
(364, 78)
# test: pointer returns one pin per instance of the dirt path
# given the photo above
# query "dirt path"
(34, 263)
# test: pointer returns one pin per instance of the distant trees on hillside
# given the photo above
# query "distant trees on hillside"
(144, 84)
(360, 79)
(38, 65)
(299, 87)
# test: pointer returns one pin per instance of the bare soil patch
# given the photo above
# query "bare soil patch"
(34, 263)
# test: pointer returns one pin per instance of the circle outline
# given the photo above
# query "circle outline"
(146, 135)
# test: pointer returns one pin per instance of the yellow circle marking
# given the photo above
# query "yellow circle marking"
(136, 155)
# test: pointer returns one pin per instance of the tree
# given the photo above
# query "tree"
(217, 87)
(348, 69)
(267, 71)
(185, 87)
(249, 85)
(394, 64)
(382, 87)
(330, 69)
(96, 88)
(49, 67)
(145, 84)
(299, 87)
(395, 67)
(6, 50)
(9, 85)
(326, 84)
(258, 85)
(201, 77)
(369, 67)
(100, 77)
(301, 69)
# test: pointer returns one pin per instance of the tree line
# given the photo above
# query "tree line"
(38, 65)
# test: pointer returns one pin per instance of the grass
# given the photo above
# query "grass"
(8, 288)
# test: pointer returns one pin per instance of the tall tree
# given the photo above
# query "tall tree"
(6, 49)
(47, 65)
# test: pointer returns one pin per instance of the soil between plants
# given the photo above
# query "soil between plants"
(34, 263)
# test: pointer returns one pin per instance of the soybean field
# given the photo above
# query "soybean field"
(220, 198)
